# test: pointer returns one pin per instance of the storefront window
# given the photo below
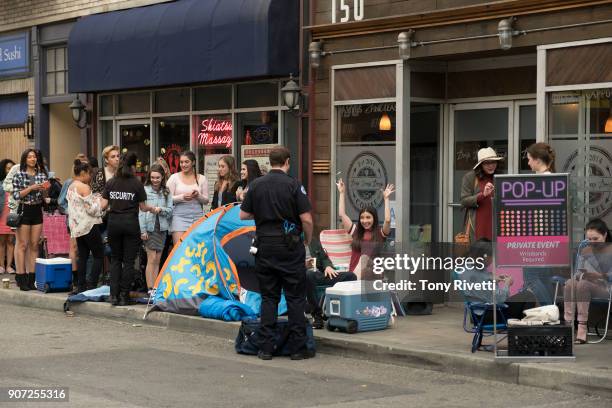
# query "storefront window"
(564, 110)
(173, 138)
(106, 105)
(257, 128)
(133, 103)
(213, 138)
(424, 136)
(212, 98)
(136, 138)
(365, 154)
(577, 133)
(105, 139)
(527, 134)
(172, 100)
(257, 94)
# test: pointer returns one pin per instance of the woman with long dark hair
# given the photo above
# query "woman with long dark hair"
(29, 184)
(368, 236)
(227, 182)
(189, 193)
(84, 218)
(125, 195)
(249, 171)
(477, 193)
(7, 236)
(591, 276)
(154, 225)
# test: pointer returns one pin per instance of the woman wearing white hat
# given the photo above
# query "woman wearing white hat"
(476, 193)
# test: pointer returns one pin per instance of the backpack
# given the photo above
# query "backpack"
(247, 340)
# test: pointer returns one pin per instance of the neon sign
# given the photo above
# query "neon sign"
(215, 133)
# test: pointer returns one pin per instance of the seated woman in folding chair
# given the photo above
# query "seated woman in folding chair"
(591, 277)
(516, 303)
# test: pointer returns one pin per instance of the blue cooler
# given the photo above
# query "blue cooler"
(350, 310)
(53, 274)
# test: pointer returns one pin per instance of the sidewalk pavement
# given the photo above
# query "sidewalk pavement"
(436, 342)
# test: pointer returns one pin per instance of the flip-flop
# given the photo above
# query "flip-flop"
(2, 270)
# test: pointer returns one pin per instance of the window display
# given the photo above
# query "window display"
(173, 138)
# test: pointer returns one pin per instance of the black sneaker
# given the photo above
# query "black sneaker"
(124, 300)
(317, 321)
(263, 355)
(302, 355)
(114, 300)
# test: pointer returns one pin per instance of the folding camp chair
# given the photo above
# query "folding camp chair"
(598, 323)
(478, 312)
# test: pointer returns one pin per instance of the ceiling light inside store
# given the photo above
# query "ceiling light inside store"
(385, 122)
(608, 127)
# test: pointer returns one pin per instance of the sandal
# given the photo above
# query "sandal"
(581, 334)
(2, 270)
(10, 270)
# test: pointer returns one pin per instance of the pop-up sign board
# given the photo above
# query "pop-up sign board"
(531, 220)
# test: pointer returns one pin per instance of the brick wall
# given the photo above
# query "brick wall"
(18, 14)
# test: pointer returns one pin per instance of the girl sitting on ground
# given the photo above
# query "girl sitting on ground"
(368, 236)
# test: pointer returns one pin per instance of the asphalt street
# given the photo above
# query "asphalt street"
(107, 363)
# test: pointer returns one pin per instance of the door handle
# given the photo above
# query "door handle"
(454, 205)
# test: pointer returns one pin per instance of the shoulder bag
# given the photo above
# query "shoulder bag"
(13, 219)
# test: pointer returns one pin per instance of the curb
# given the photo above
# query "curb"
(530, 374)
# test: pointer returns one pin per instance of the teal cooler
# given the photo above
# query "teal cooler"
(350, 310)
(53, 274)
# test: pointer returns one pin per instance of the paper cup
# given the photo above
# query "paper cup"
(6, 283)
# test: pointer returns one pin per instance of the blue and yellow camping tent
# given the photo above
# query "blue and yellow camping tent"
(211, 260)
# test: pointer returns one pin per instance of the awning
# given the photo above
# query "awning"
(184, 42)
(13, 110)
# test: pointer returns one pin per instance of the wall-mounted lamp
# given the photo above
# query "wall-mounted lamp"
(79, 112)
(28, 127)
(292, 95)
(315, 52)
(505, 32)
(384, 123)
(405, 44)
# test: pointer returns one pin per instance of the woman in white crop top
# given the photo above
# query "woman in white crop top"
(189, 192)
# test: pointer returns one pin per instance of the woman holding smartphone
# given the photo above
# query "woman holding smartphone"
(29, 184)
(189, 192)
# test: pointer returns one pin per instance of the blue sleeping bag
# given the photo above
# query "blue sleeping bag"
(214, 307)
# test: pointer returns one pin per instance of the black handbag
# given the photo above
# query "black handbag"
(13, 219)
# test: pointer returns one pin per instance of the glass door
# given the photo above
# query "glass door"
(583, 145)
(135, 136)
(472, 127)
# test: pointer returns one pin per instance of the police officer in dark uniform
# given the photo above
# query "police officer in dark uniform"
(281, 210)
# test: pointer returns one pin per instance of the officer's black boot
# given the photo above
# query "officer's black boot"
(264, 355)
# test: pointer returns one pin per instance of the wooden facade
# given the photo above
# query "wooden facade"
(374, 39)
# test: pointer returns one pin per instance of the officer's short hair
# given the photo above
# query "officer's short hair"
(279, 155)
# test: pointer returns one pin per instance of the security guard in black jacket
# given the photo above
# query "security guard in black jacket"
(281, 210)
